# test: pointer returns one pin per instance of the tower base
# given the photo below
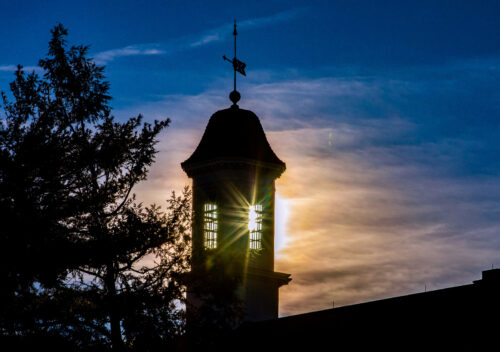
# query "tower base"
(262, 294)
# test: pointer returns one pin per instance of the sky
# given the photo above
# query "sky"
(387, 114)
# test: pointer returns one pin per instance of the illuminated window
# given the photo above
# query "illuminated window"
(210, 225)
(255, 226)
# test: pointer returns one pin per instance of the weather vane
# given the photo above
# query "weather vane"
(238, 66)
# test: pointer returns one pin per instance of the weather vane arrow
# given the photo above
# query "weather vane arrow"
(238, 66)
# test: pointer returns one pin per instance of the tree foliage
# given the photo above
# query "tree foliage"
(80, 260)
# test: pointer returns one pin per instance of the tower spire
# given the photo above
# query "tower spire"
(238, 66)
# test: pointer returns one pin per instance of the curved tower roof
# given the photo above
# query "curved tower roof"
(236, 135)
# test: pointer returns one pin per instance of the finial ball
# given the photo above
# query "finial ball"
(234, 96)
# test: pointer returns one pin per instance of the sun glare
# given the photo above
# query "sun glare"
(282, 212)
(252, 219)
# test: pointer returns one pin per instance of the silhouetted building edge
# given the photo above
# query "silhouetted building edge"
(446, 319)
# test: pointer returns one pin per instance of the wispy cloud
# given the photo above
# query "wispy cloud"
(8, 68)
(207, 38)
(131, 50)
(194, 41)
(273, 19)
(13, 68)
(222, 32)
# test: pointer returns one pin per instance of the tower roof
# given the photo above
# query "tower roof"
(234, 134)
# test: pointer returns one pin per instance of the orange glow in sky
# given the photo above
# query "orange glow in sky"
(354, 221)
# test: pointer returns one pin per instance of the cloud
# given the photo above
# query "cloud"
(383, 197)
(273, 19)
(193, 41)
(9, 68)
(206, 39)
(105, 57)
(369, 223)
(222, 32)
(131, 50)
(13, 68)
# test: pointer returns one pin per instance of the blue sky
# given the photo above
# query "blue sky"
(386, 113)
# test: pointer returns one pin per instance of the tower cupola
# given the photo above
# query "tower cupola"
(234, 135)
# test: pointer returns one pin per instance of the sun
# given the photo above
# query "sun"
(282, 213)
(252, 218)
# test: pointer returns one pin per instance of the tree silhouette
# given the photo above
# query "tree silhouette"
(81, 263)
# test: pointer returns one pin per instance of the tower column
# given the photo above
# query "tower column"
(234, 171)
